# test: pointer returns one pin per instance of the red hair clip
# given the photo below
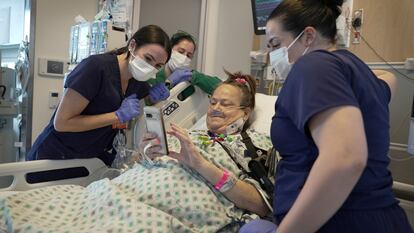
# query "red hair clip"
(241, 80)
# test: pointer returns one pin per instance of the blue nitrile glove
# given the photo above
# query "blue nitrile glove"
(180, 75)
(158, 92)
(129, 109)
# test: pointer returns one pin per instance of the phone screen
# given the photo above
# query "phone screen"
(155, 124)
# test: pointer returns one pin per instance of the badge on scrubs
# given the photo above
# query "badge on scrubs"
(119, 125)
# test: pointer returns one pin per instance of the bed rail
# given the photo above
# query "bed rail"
(403, 191)
(19, 170)
(184, 112)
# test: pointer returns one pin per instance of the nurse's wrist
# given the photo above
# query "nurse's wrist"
(115, 119)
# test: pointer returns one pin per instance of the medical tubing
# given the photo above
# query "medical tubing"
(380, 57)
(145, 158)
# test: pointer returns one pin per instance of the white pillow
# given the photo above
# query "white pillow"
(201, 124)
(261, 118)
(263, 113)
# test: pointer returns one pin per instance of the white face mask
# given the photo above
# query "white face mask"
(140, 69)
(279, 59)
(235, 126)
(178, 60)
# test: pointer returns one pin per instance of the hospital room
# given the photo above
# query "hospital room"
(203, 116)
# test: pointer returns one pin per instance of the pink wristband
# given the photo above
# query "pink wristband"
(222, 180)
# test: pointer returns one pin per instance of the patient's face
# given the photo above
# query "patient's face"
(224, 108)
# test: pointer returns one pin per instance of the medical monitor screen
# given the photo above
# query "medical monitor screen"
(55, 67)
(261, 10)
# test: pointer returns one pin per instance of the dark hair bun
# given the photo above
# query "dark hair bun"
(334, 3)
(338, 2)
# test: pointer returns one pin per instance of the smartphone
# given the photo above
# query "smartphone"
(155, 124)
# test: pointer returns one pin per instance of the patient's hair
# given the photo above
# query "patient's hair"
(247, 87)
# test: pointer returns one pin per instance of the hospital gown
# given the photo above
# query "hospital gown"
(168, 197)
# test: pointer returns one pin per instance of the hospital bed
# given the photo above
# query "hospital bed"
(186, 112)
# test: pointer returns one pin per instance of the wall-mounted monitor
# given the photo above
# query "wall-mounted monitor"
(261, 10)
(51, 67)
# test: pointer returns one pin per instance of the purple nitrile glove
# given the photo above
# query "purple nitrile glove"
(129, 109)
(158, 92)
(180, 75)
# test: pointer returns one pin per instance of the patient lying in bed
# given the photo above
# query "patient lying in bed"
(172, 196)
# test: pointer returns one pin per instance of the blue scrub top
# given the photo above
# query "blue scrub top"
(318, 81)
(97, 78)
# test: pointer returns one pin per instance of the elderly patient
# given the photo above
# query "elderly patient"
(201, 186)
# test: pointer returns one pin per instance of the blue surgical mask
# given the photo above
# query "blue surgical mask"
(279, 59)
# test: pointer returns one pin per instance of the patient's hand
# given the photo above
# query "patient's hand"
(189, 153)
(153, 150)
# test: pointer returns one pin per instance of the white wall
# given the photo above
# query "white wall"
(229, 37)
(186, 15)
(16, 19)
(53, 21)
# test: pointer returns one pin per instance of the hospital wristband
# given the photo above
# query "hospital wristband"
(229, 184)
(222, 180)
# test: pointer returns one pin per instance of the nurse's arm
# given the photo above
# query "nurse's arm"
(68, 115)
(340, 137)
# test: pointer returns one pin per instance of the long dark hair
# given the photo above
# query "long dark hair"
(296, 15)
(150, 34)
(180, 36)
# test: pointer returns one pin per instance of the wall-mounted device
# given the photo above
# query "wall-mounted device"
(52, 67)
(357, 25)
(53, 99)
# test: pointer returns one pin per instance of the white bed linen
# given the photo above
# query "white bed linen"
(168, 197)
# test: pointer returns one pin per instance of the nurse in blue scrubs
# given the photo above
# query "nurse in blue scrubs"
(102, 92)
(331, 128)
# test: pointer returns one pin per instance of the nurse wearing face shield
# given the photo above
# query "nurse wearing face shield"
(331, 128)
(101, 93)
(178, 68)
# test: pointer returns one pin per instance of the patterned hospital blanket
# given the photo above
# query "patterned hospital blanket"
(168, 197)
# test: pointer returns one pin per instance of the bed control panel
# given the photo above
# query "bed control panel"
(170, 108)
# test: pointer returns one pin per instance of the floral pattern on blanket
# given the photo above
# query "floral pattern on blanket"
(168, 197)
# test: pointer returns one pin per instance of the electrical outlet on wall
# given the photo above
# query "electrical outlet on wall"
(357, 25)
(53, 99)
